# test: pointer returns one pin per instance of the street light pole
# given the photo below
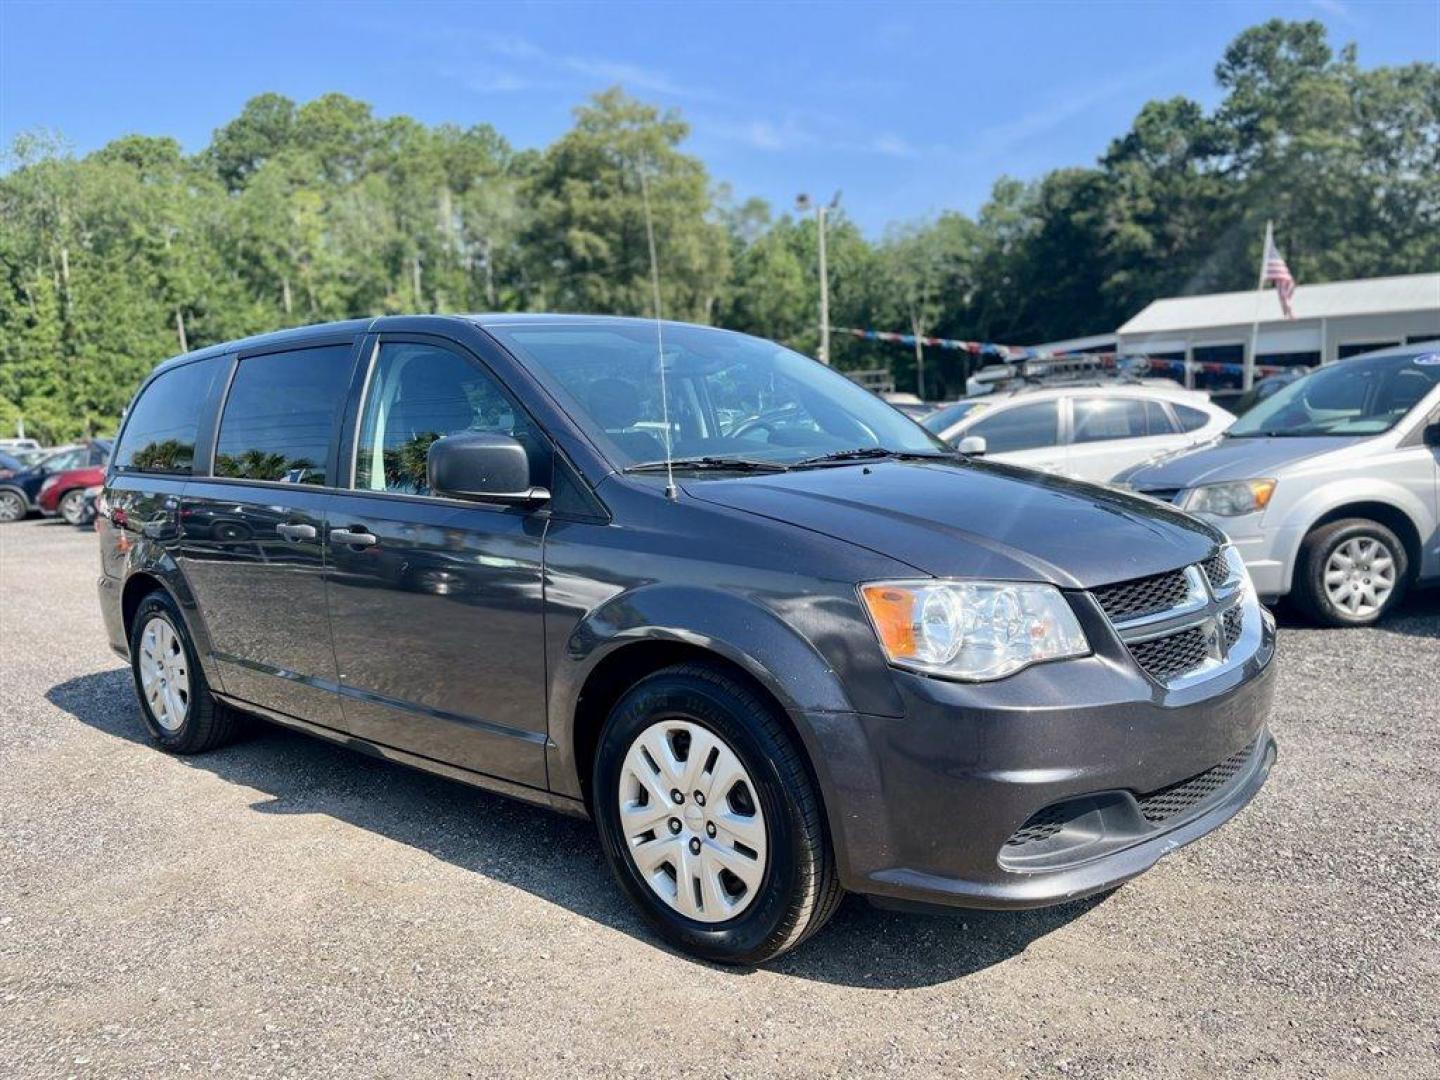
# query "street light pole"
(802, 203)
(824, 290)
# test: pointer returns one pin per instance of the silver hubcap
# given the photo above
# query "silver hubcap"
(692, 821)
(164, 674)
(70, 507)
(11, 508)
(1360, 576)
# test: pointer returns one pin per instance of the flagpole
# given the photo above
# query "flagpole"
(1248, 379)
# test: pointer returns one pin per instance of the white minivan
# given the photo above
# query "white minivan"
(1088, 432)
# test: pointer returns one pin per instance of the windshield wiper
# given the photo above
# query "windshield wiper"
(868, 453)
(714, 464)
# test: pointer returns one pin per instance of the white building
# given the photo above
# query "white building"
(1331, 321)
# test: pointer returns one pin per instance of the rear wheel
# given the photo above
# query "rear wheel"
(12, 505)
(175, 699)
(1351, 572)
(72, 506)
(710, 820)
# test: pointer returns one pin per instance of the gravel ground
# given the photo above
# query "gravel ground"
(288, 908)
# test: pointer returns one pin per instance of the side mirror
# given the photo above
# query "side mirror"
(973, 445)
(1432, 433)
(489, 468)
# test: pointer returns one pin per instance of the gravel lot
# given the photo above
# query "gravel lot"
(288, 908)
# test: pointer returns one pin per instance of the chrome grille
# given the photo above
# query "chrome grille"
(1182, 624)
(1143, 596)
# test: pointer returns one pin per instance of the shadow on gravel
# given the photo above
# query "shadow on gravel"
(540, 851)
(1417, 616)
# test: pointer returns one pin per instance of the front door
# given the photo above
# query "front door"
(436, 605)
(252, 536)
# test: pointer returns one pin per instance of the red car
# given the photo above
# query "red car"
(63, 492)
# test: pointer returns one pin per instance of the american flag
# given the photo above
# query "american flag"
(1274, 269)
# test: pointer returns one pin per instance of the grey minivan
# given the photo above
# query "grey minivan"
(1330, 488)
(776, 639)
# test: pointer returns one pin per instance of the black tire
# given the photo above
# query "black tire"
(13, 506)
(72, 506)
(208, 724)
(800, 888)
(1311, 596)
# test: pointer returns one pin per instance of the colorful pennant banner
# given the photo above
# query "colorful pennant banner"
(1129, 362)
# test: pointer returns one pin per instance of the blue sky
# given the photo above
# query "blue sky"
(908, 108)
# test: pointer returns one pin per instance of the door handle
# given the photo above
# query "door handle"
(296, 533)
(353, 537)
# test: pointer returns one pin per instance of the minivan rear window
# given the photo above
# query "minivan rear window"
(160, 431)
(282, 414)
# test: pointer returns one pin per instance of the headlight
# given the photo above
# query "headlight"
(971, 630)
(1232, 499)
(49, 483)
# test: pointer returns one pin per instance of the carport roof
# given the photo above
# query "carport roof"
(1370, 296)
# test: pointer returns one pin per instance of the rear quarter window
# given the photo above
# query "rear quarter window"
(1191, 418)
(159, 435)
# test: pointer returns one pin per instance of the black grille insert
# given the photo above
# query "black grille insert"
(1042, 825)
(1167, 803)
(1217, 569)
(1234, 623)
(1165, 658)
(1158, 808)
(1143, 596)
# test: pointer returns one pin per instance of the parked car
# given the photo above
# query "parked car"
(10, 465)
(13, 446)
(1089, 432)
(774, 661)
(1330, 488)
(62, 493)
(916, 410)
(19, 493)
(89, 507)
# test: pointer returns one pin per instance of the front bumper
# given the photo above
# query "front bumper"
(922, 806)
(1269, 553)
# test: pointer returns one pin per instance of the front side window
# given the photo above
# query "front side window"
(724, 395)
(1025, 427)
(160, 431)
(418, 393)
(282, 415)
(1350, 397)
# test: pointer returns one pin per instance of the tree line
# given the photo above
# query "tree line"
(298, 213)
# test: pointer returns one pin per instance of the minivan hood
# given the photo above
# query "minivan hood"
(976, 519)
(1232, 459)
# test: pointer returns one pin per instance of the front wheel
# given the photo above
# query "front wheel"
(12, 505)
(1351, 572)
(72, 506)
(710, 820)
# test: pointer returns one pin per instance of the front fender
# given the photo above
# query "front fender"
(1296, 521)
(766, 646)
(737, 629)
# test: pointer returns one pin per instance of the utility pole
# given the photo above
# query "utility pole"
(803, 204)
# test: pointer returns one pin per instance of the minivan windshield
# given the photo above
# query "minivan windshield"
(732, 401)
(1350, 397)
